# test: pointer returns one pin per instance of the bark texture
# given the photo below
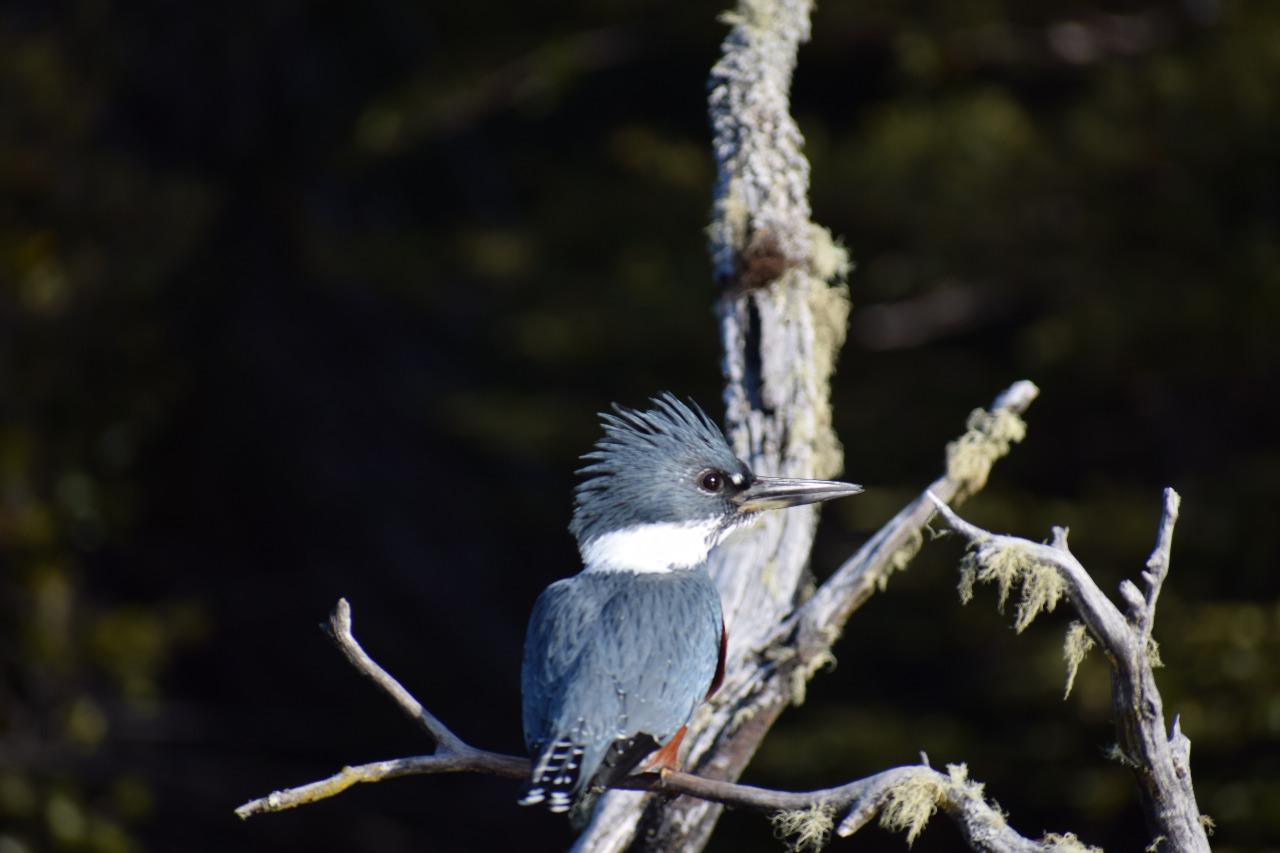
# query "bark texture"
(782, 312)
(1160, 756)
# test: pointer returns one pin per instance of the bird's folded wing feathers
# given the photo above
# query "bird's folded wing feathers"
(559, 631)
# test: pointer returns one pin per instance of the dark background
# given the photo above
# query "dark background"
(308, 300)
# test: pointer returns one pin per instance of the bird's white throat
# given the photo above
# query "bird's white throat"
(662, 546)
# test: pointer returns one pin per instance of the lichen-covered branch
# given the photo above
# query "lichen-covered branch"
(970, 457)
(1161, 758)
(767, 679)
(903, 797)
(783, 312)
(782, 315)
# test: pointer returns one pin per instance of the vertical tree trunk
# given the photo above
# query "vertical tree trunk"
(782, 312)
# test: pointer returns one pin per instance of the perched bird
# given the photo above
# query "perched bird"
(618, 656)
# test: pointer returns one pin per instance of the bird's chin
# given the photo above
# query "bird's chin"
(741, 521)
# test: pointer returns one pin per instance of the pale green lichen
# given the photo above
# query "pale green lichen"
(1076, 645)
(732, 215)
(962, 787)
(910, 804)
(968, 576)
(829, 306)
(829, 260)
(750, 14)
(1118, 755)
(702, 715)
(988, 437)
(1153, 653)
(779, 653)
(741, 717)
(1006, 563)
(901, 558)
(1042, 589)
(801, 674)
(1154, 846)
(1067, 843)
(804, 829)
(1208, 823)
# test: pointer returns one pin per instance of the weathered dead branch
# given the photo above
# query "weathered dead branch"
(1160, 757)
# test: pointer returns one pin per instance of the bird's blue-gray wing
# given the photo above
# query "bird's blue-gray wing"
(664, 648)
(613, 661)
(559, 629)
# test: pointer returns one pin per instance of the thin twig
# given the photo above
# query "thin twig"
(475, 761)
(447, 743)
(1158, 562)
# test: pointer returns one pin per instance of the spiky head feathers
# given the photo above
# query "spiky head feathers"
(668, 464)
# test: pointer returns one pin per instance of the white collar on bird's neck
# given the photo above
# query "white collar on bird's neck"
(659, 546)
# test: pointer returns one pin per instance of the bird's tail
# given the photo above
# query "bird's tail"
(555, 776)
(618, 762)
(558, 780)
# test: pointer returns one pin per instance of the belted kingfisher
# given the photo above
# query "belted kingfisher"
(618, 656)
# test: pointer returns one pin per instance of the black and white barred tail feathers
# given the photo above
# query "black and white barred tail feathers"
(556, 777)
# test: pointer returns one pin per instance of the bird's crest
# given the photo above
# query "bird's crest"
(672, 423)
(641, 454)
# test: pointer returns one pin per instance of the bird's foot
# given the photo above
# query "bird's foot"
(666, 760)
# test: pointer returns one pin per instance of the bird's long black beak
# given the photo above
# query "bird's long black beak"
(780, 492)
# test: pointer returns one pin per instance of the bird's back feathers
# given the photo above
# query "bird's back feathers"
(614, 664)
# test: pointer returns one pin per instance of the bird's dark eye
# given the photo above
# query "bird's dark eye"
(712, 481)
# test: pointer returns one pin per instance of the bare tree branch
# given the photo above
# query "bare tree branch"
(447, 743)
(970, 458)
(771, 676)
(452, 755)
(1161, 762)
(783, 317)
(904, 797)
(1158, 563)
(472, 761)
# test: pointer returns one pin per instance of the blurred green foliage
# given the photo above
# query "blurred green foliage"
(89, 236)
(302, 299)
